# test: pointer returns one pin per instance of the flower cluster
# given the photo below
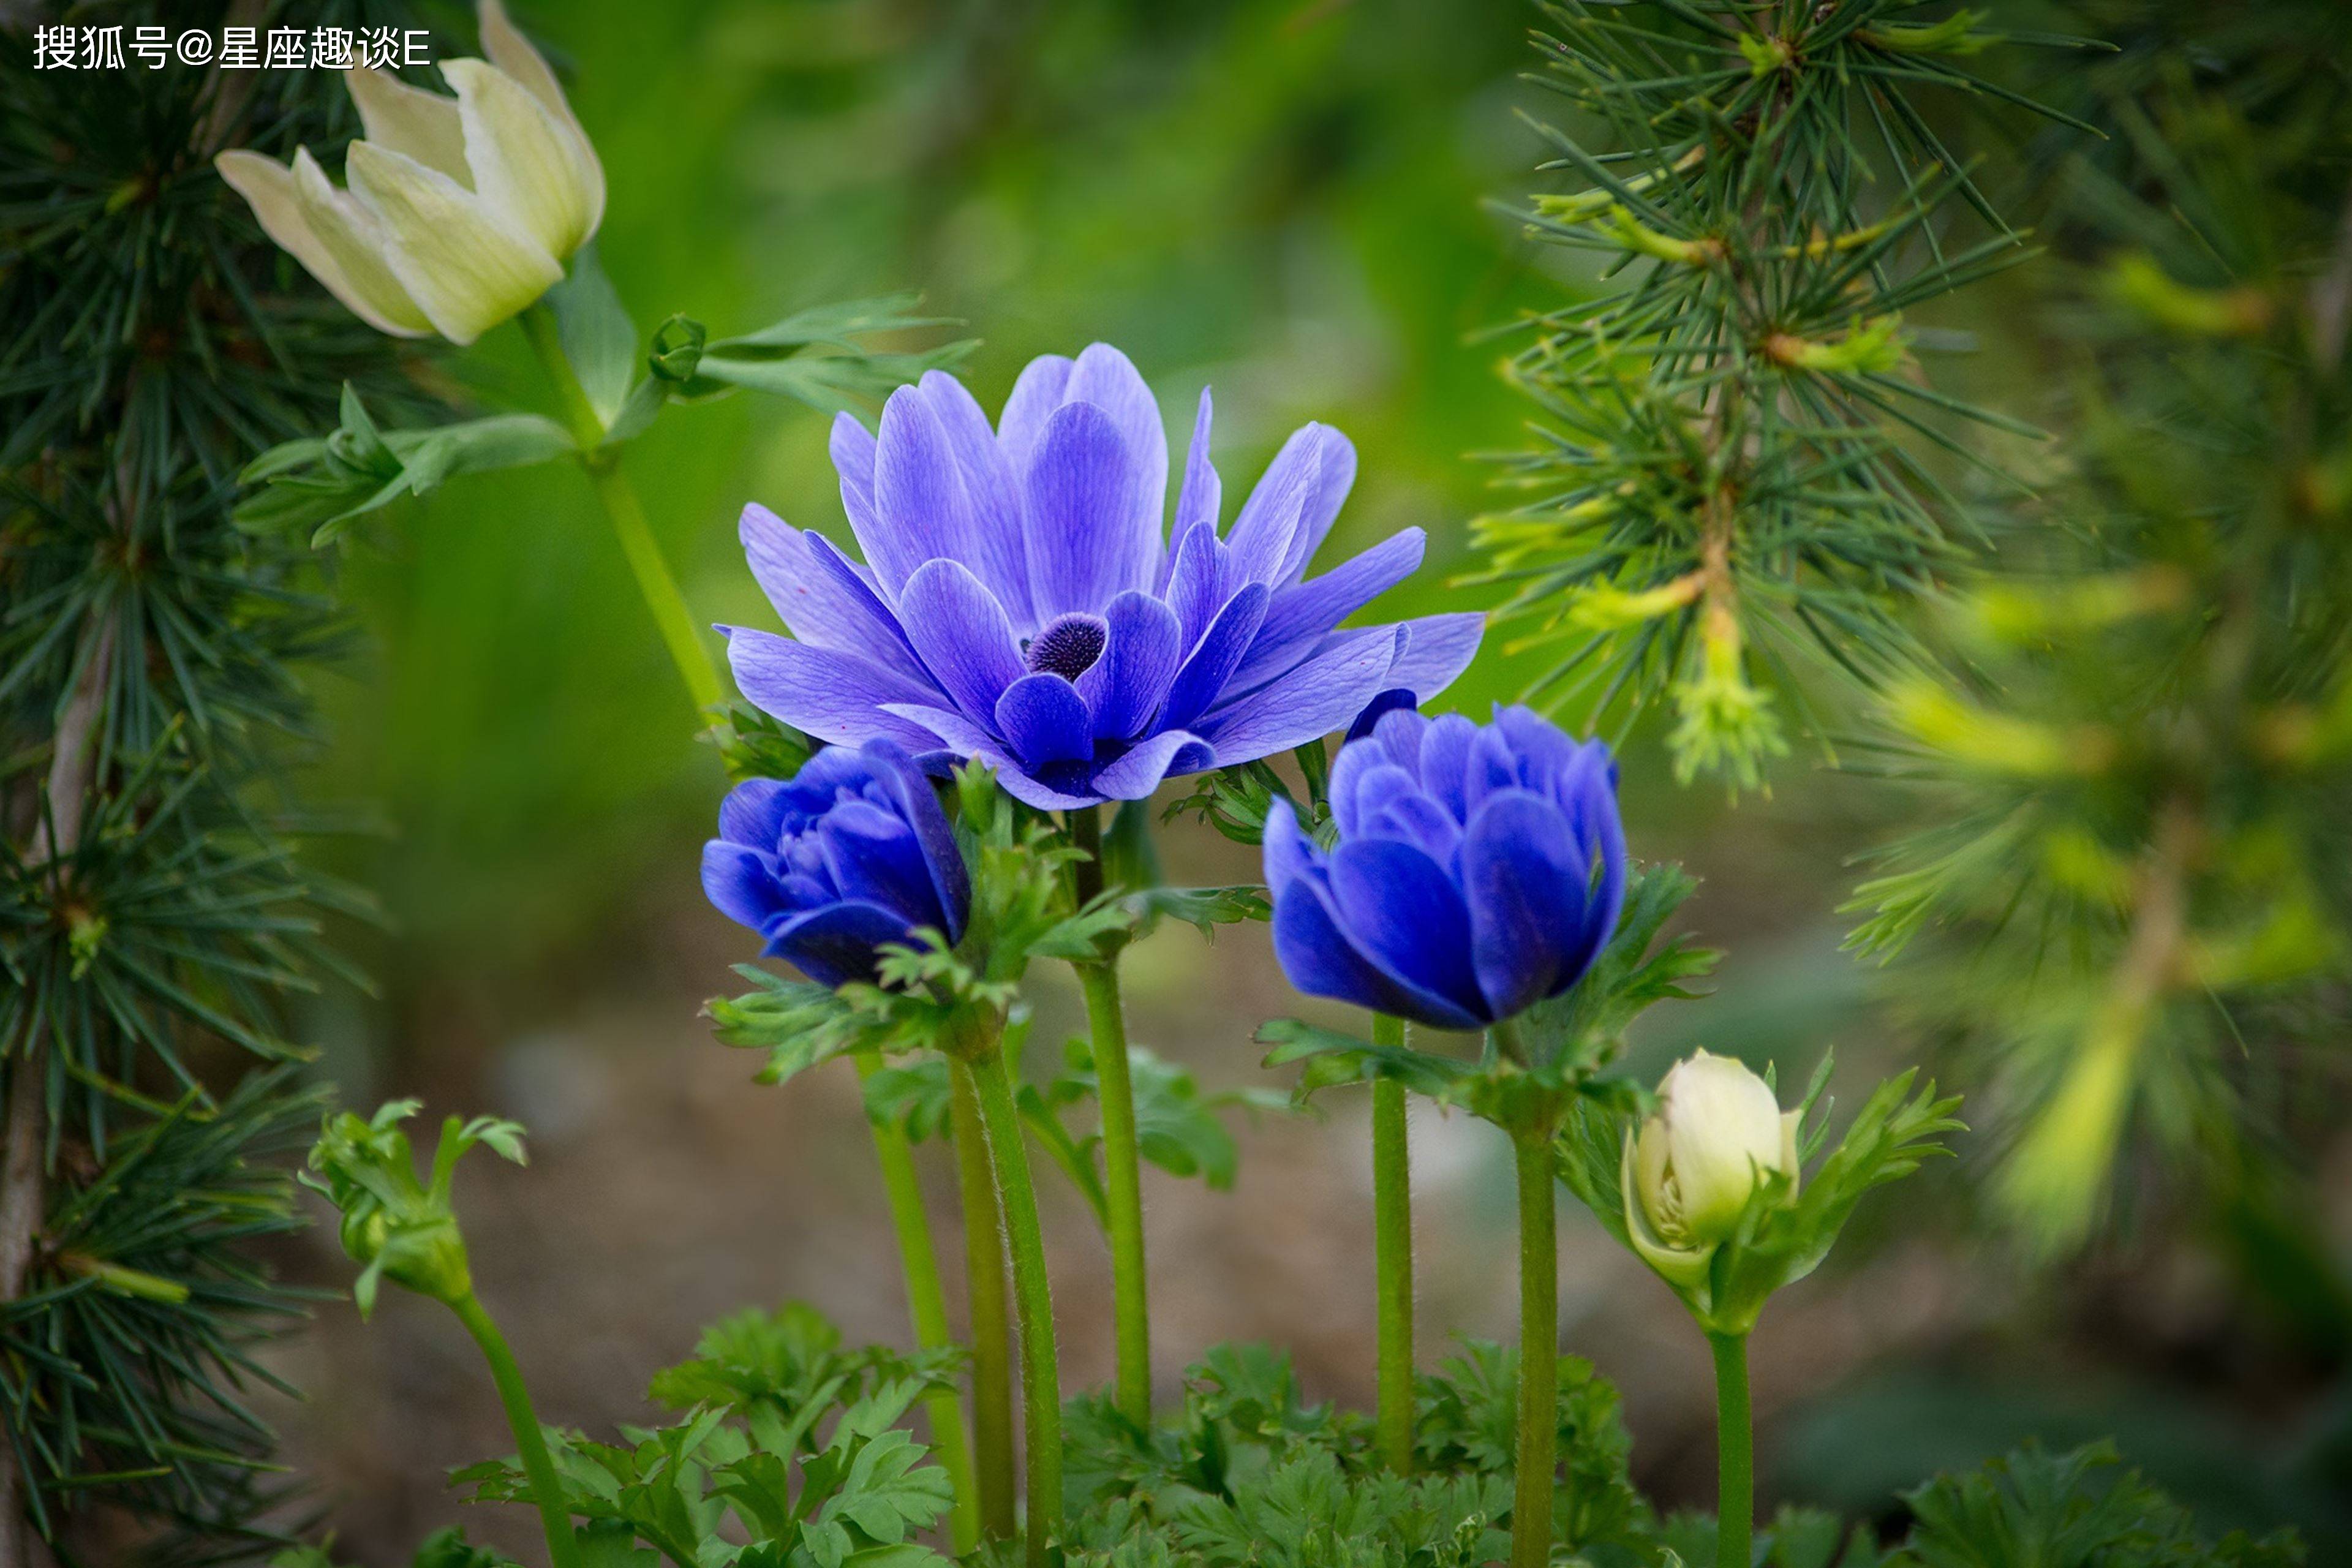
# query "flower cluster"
(1019, 603)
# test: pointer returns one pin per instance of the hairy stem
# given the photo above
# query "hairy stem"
(627, 516)
(1122, 1154)
(991, 1308)
(1735, 1439)
(1539, 1436)
(1041, 1378)
(555, 1513)
(1393, 1255)
(926, 1305)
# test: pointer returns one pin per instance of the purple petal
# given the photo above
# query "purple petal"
(1269, 520)
(752, 813)
(1108, 379)
(1402, 911)
(1034, 396)
(1031, 790)
(1044, 719)
(1321, 961)
(1201, 679)
(1351, 769)
(1290, 854)
(1126, 686)
(953, 730)
(1197, 504)
(741, 883)
(1436, 649)
(1301, 614)
(962, 634)
(853, 459)
(1000, 555)
(1527, 884)
(820, 603)
(1135, 775)
(874, 854)
(1399, 732)
(835, 697)
(1446, 761)
(922, 510)
(918, 803)
(1195, 579)
(1334, 479)
(1084, 545)
(835, 944)
(1319, 697)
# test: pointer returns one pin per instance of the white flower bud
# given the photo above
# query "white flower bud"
(461, 211)
(1690, 1171)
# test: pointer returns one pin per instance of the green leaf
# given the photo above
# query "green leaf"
(598, 338)
(324, 485)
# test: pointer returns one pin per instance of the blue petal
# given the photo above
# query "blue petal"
(1437, 649)
(1031, 790)
(1126, 686)
(918, 804)
(962, 634)
(1268, 521)
(1084, 544)
(1201, 679)
(1321, 961)
(1197, 504)
(835, 697)
(1382, 704)
(1350, 770)
(1335, 477)
(816, 605)
(1135, 775)
(1318, 697)
(923, 509)
(959, 732)
(1415, 820)
(1526, 881)
(1290, 854)
(853, 459)
(874, 854)
(1299, 616)
(1044, 719)
(835, 944)
(1446, 761)
(855, 585)
(1196, 577)
(1399, 732)
(1000, 555)
(752, 813)
(1108, 379)
(1034, 396)
(740, 882)
(1402, 911)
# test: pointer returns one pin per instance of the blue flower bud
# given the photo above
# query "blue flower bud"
(851, 853)
(1477, 872)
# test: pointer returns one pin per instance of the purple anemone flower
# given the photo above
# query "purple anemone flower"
(1477, 872)
(851, 852)
(1020, 602)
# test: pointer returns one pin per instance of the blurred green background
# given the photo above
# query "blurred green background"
(1289, 200)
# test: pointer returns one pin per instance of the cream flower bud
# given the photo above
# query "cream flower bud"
(461, 211)
(1717, 1134)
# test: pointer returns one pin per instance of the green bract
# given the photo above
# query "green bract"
(399, 1227)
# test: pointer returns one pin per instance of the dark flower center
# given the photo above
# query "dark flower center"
(1069, 645)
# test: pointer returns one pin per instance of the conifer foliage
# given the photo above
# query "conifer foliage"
(154, 919)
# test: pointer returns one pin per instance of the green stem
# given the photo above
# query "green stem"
(1393, 1255)
(1531, 1505)
(927, 1304)
(627, 514)
(1122, 1151)
(555, 1513)
(991, 1308)
(1735, 1441)
(1041, 1378)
